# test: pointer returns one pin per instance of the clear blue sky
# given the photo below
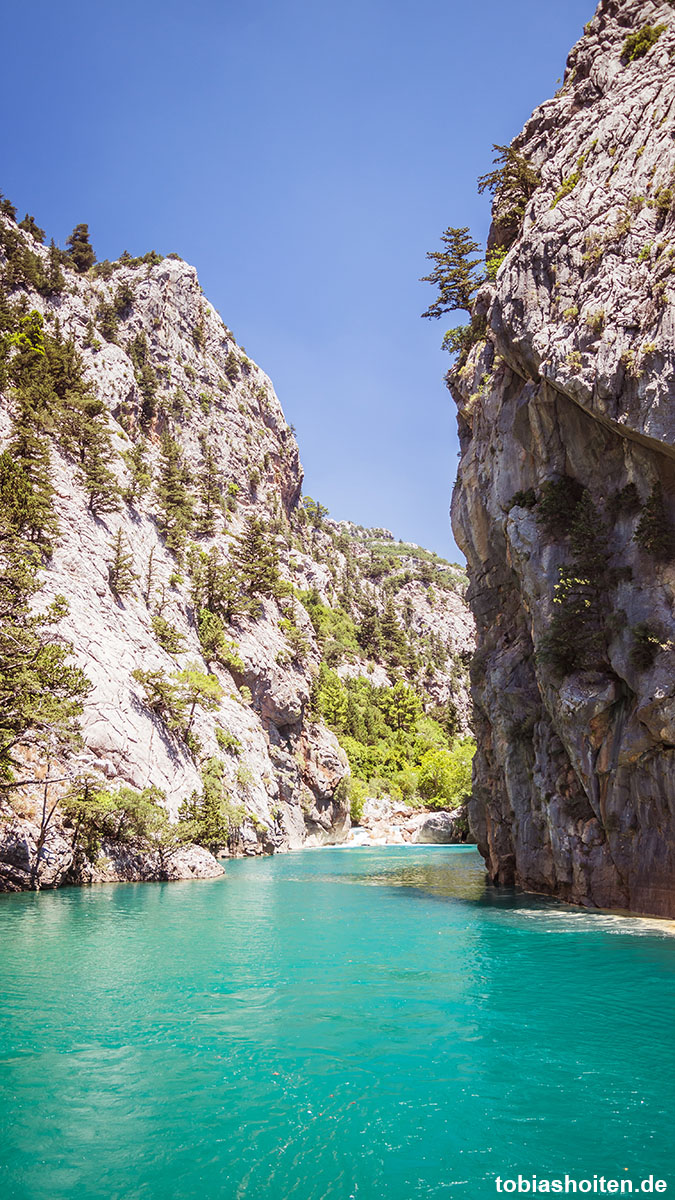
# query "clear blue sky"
(303, 155)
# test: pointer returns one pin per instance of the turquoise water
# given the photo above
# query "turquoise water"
(367, 1023)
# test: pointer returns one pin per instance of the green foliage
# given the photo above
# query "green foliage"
(358, 794)
(173, 495)
(639, 43)
(493, 261)
(556, 505)
(215, 585)
(227, 741)
(298, 644)
(313, 511)
(232, 367)
(335, 630)
(199, 335)
(512, 183)
(575, 639)
(216, 647)
(624, 501)
(7, 208)
(444, 778)
(454, 273)
(80, 250)
(30, 225)
(654, 532)
(150, 259)
(646, 644)
(401, 706)
(383, 732)
(210, 490)
(211, 815)
(568, 185)
(126, 817)
(52, 397)
(41, 693)
(255, 559)
(176, 698)
(596, 321)
(121, 574)
(167, 635)
(161, 696)
(140, 480)
(198, 689)
(106, 320)
(523, 499)
(146, 377)
(23, 268)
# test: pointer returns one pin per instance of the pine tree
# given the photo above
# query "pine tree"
(80, 250)
(513, 182)
(197, 689)
(33, 416)
(210, 483)
(369, 632)
(173, 495)
(121, 574)
(55, 281)
(31, 226)
(454, 273)
(146, 377)
(256, 560)
(84, 426)
(140, 480)
(41, 693)
(393, 637)
(211, 813)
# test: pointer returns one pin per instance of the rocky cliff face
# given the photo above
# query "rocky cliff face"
(565, 501)
(163, 363)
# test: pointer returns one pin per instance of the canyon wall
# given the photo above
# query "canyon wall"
(162, 365)
(565, 500)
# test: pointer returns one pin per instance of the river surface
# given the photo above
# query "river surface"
(366, 1023)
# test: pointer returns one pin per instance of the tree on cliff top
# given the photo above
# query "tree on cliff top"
(80, 249)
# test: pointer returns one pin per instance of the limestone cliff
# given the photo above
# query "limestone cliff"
(164, 364)
(565, 499)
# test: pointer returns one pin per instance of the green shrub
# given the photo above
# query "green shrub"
(125, 816)
(445, 775)
(358, 794)
(568, 185)
(596, 321)
(638, 44)
(216, 647)
(227, 741)
(211, 814)
(167, 635)
(493, 261)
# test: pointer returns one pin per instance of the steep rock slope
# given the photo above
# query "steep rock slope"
(200, 451)
(565, 499)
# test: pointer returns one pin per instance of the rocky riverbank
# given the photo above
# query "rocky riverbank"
(385, 822)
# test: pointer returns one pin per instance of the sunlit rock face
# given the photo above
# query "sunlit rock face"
(283, 767)
(574, 777)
